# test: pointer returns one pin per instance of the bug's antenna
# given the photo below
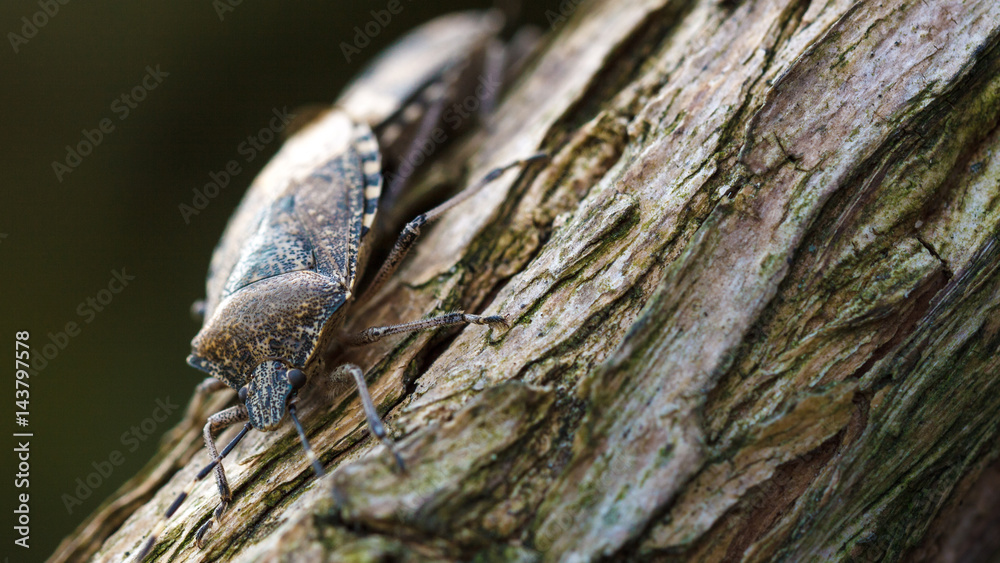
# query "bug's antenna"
(317, 466)
(151, 541)
(511, 10)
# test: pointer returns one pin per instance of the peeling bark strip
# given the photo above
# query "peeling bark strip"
(755, 303)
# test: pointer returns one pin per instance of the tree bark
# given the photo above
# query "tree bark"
(755, 314)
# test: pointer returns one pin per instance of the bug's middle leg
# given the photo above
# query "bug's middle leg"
(217, 422)
(376, 333)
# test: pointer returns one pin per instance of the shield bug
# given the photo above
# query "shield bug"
(285, 274)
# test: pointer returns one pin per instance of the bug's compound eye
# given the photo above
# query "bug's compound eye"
(243, 394)
(198, 310)
(296, 378)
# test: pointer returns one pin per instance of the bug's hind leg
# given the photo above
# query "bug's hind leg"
(201, 395)
(217, 422)
(412, 230)
(209, 385)
(429, 106)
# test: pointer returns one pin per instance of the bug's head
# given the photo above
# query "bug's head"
(272, 386)
(269, 395)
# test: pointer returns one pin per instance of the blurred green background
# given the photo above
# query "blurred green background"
(117, 210)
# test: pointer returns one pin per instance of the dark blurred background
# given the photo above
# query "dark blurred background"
(65, 233)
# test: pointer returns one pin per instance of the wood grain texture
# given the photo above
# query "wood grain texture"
(754, 301)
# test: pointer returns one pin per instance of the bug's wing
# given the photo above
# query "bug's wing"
(330, 204)
(300, 156)
(315, 224)
(280, 245)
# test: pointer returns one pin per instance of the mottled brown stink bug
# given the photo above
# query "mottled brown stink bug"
(285, 273)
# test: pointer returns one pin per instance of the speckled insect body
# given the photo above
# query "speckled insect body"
(284, 298)
(285, 273)
(280, 281)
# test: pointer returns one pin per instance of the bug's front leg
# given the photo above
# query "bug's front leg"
(217, 422)
(374, 421)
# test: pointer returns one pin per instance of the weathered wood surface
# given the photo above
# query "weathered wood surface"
(755, 305)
